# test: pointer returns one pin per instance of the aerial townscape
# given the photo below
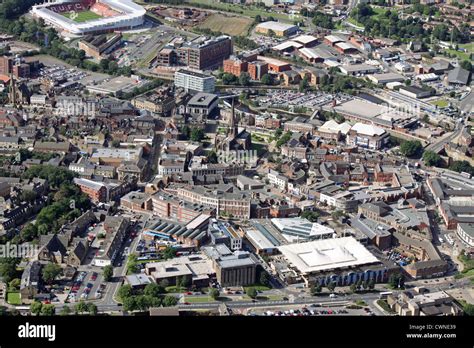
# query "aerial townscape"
(236, 158)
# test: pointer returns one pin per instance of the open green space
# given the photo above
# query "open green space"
(442, 103)
(257, 287)
(246, 10)
(194, 299)
(13, 298)
(175, 289)
(230, 25)
(80, 17)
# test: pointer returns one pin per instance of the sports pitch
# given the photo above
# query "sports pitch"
(82, 16)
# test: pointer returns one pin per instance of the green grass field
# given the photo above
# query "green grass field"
(80, 17)
(13, 298)
(442, 103)
(231, 25)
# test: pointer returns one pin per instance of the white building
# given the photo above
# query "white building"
(193, 81)
(465, 232)
(298, 229)
(278, 180)
(368, 136)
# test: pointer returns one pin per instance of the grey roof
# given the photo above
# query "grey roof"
(459, 75)
(202, 99)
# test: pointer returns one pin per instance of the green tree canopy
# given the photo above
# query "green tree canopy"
(50, 272)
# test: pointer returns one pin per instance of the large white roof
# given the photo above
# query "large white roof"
(327, 254)
(287, 44)
(271, 25)
(367, 129)
(305, 39)
(332, 126)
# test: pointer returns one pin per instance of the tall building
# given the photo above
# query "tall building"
(203, 53)
(193, 81)
(6, 65)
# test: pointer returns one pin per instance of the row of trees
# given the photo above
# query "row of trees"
(320, 19)
(389, 24)
(151, 296)
(38, 308)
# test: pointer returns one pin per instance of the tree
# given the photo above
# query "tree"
(469, 309)
(169, 301)
(316, 289)
(267, 79)
(396, 280)
(372, 284)
(48, 310)
(35, 307)
(129, 304)
(125, 291)
(251, 292)
(331, 286)
(92, 309)
(65, 311)
(304, 84)
(8, 268)
(164, 283)
(14, 284)
(212, 157)
(411, 148)
(431, 158)
(353, 287)
(50, 272)
(152, 290)
(116, 143)
(365, 285)
(29, 232)
(244, 79)
(264, 278)
(462, 166)
(81, 307)
(108, 273)
(310, 215)
(214, 293)
(197, 134)
(169, 253)
(28, 196)
(465, 64)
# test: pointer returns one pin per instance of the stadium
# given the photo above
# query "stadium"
(90, 16)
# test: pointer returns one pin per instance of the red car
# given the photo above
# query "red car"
(187, 303)
(94, 276)
(189, 293)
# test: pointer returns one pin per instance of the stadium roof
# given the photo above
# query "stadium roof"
(327, 254)
(131, 15)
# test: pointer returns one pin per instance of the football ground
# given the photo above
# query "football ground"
(81, 16)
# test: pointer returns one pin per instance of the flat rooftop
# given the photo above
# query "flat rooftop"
(327, 254)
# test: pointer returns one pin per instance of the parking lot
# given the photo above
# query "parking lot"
(279, 98)
(86, 286)
(309, 310)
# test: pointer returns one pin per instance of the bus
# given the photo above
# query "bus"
(384, 295)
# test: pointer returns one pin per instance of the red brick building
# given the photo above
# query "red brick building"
(235, 66)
